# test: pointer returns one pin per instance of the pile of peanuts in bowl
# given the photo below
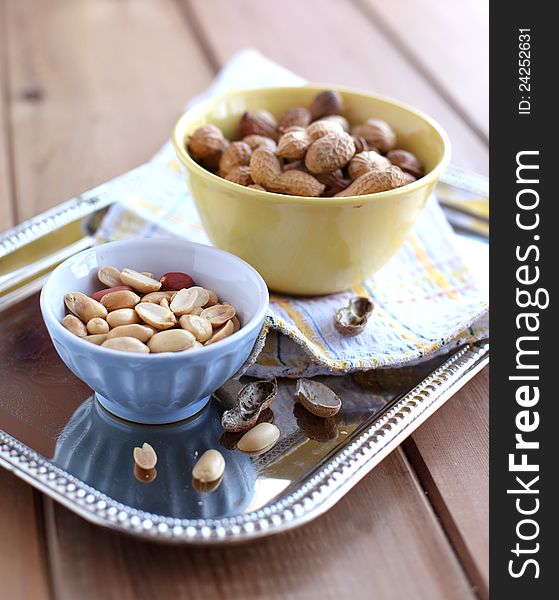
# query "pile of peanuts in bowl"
(136, 312)
(309, 151)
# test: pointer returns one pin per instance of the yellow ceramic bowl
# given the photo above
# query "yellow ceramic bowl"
(306, 245)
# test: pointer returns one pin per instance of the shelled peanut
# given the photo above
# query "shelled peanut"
(309, 151)
(136, 312)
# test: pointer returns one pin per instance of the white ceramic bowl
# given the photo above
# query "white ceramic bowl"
(167, 387)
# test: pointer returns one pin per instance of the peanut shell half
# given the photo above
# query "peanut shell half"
(317, 398)
(252, 400)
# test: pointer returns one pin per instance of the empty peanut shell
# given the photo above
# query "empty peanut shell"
(317, 398)
(352, 319)
(252, 400)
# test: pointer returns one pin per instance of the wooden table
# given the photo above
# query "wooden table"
(91, 89)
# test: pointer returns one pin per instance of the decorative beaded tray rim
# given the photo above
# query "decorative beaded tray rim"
(312, 498)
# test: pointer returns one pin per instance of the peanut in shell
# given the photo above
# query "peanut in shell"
(330, 152)
(374, 181)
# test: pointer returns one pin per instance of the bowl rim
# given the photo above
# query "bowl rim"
(255, 321)
(205, 105)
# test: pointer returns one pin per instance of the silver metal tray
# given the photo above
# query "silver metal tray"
(54, 435)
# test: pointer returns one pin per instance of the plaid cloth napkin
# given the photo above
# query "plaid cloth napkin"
(426, 300)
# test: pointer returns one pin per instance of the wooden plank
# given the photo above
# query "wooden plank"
(95, 88)
(380, 541)
(448, 41)
(23, 567)
(450, 455)
(331, 42)
(6, 203)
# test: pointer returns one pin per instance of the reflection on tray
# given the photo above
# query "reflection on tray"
(98, 448)
(38, 394)
(44, 406)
